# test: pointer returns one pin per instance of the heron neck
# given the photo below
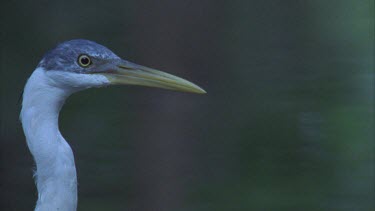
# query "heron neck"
(55, 169)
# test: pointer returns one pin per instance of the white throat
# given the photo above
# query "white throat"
(44, 95)
(55, 169)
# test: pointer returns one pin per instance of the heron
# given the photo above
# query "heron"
(73, 66)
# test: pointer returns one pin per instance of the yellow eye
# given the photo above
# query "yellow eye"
(84, 60)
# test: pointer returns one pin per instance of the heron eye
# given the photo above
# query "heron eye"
(84, 60)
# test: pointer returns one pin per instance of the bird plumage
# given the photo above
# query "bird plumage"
(64, 56)
(58, 75)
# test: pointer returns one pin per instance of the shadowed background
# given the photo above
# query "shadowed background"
(287, 124)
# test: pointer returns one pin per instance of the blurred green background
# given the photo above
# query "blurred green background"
(287, 124)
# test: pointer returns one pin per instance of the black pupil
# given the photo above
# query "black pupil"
(85, 61)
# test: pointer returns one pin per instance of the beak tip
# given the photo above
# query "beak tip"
(202, 91)
(198, 90)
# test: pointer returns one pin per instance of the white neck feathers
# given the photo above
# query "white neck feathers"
(55, 169)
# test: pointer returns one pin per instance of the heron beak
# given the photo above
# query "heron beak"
(127, 73)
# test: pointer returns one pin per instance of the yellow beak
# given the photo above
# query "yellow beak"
(127, 73)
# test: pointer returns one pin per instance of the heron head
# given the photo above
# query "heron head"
(80, 64)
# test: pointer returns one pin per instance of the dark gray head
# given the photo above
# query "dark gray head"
(80, 64)
(72, 56)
